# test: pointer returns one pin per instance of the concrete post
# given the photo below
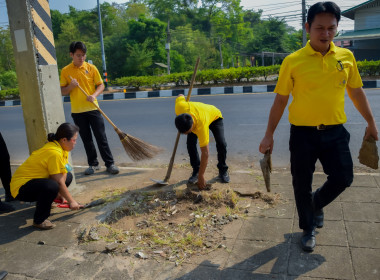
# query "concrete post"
(36, 68)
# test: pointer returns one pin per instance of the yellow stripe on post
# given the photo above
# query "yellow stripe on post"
(42, 26)
(44, 53)
(45, 5)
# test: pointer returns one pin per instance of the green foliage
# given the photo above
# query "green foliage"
(8, 79)
(9, 94)
(7, 61)
(369, 68)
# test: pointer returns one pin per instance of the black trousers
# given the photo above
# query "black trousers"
(330, 146)
(217, 129)
(43, 191)
(93, 120)
(5, 167)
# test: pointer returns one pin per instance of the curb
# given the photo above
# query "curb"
(176, 92)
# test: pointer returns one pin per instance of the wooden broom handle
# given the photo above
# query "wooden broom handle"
(97, 107)
(170, 167)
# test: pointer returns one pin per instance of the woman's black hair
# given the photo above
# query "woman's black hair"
(323, 7)
(65, 130)
(77, 46)
(183, 122)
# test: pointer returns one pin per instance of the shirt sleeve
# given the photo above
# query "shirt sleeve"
(285, 82)
(203, 136)
(354, 79)
(56, 164)
(63, 82)
(97, 78)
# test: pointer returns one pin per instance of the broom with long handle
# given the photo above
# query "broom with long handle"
(171, 163)
(134, 147)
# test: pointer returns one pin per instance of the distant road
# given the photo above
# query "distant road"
(152, 120)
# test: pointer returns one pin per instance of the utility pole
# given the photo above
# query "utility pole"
(102, 47)
(303, 23)
(220, 52)
(167, 46)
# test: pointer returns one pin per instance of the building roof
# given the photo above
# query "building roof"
(359, 35)
(350, 13)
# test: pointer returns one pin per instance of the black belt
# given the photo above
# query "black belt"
(318, 127)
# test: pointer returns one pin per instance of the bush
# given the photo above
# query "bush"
(231, 75)
(369, 68)
(8, 80)
(9, 94)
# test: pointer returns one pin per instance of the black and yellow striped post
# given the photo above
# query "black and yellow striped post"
(36, 67)
(43, 32)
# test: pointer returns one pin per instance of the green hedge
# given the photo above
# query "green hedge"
(10, 94)
(215, 76)
(369, 68)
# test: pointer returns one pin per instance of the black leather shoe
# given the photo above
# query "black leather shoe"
(193, 178)
(308, 241)
(224, 177)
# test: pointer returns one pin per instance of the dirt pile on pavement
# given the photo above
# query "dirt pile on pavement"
(172, 225)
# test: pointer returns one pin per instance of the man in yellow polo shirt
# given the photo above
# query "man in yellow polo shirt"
(83, 111)
(196, 119)
(317, 76)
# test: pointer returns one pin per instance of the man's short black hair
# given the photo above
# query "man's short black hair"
(323, 7)
(183, 122)
(77, 46)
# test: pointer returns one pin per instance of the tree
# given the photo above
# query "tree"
(7, 60)
(139, 59)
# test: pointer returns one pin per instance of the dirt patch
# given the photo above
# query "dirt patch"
(173, 225)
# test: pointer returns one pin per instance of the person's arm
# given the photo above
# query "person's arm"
(67, 89)
(202, 167)
(63, 191)
(276, 112)
(360, 101)
(99, 90)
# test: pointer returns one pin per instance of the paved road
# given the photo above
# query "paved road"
(153, 121)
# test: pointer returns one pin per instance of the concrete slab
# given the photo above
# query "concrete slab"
(282, 210)
(366, 263)
(259, 257)
(27, 259)
(364, 181)
(361, 212)
(73, 264)
(377, 180)
(217, 258)
(62, 235)
(203, 271)
(256, 228)
(235, 274)
(322, 263)
(360, 194)
(363, 234)
(232, 230)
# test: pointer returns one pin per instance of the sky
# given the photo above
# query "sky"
(290, 9)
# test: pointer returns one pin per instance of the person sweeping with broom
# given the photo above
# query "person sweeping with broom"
(196, 119)
(78, 76)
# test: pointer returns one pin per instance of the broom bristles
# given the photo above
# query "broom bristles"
(136, 148)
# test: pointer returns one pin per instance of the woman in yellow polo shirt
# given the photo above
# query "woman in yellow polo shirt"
(45, 175)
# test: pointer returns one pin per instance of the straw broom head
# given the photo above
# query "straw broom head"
(136, 148)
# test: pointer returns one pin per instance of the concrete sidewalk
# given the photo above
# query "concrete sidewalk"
(264, 245)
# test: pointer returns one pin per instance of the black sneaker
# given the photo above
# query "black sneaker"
(91, 170)
(193, 178)
(5, 207)
(112, 169)
(224, 177)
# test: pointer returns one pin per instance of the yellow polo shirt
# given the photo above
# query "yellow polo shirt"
(317, 84)
(203, 115)
(88, 78)
(49, 160)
